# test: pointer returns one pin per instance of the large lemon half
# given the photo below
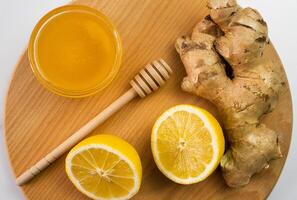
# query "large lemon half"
(187, 144)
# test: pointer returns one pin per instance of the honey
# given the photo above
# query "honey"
(75, 51)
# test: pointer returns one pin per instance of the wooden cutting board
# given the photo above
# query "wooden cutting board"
(36, 120)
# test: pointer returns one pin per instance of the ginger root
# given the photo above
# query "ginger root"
(235, 37)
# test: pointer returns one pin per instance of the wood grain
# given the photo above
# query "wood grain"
(36, 121)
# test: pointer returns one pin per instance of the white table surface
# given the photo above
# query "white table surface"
(18, 17)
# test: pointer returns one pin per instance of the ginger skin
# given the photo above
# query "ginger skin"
(236, 36)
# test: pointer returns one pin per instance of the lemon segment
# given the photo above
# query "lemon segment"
(104, 167)
(187, 144)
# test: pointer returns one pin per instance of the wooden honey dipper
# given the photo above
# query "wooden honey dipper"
(145, 82)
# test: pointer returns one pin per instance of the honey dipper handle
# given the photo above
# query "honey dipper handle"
(76, 137)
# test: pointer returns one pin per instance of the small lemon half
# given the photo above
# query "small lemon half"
(187, 144)
(104, 167)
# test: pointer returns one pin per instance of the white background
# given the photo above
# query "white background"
(18, 17)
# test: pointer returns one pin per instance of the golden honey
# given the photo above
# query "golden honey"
(75, 51)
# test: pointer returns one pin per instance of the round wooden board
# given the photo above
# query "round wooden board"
(36, 120)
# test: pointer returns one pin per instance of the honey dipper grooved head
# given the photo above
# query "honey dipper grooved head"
(151, 77)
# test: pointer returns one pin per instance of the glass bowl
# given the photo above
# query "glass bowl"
(50, 83)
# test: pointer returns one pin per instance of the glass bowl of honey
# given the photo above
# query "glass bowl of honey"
(75, 51)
